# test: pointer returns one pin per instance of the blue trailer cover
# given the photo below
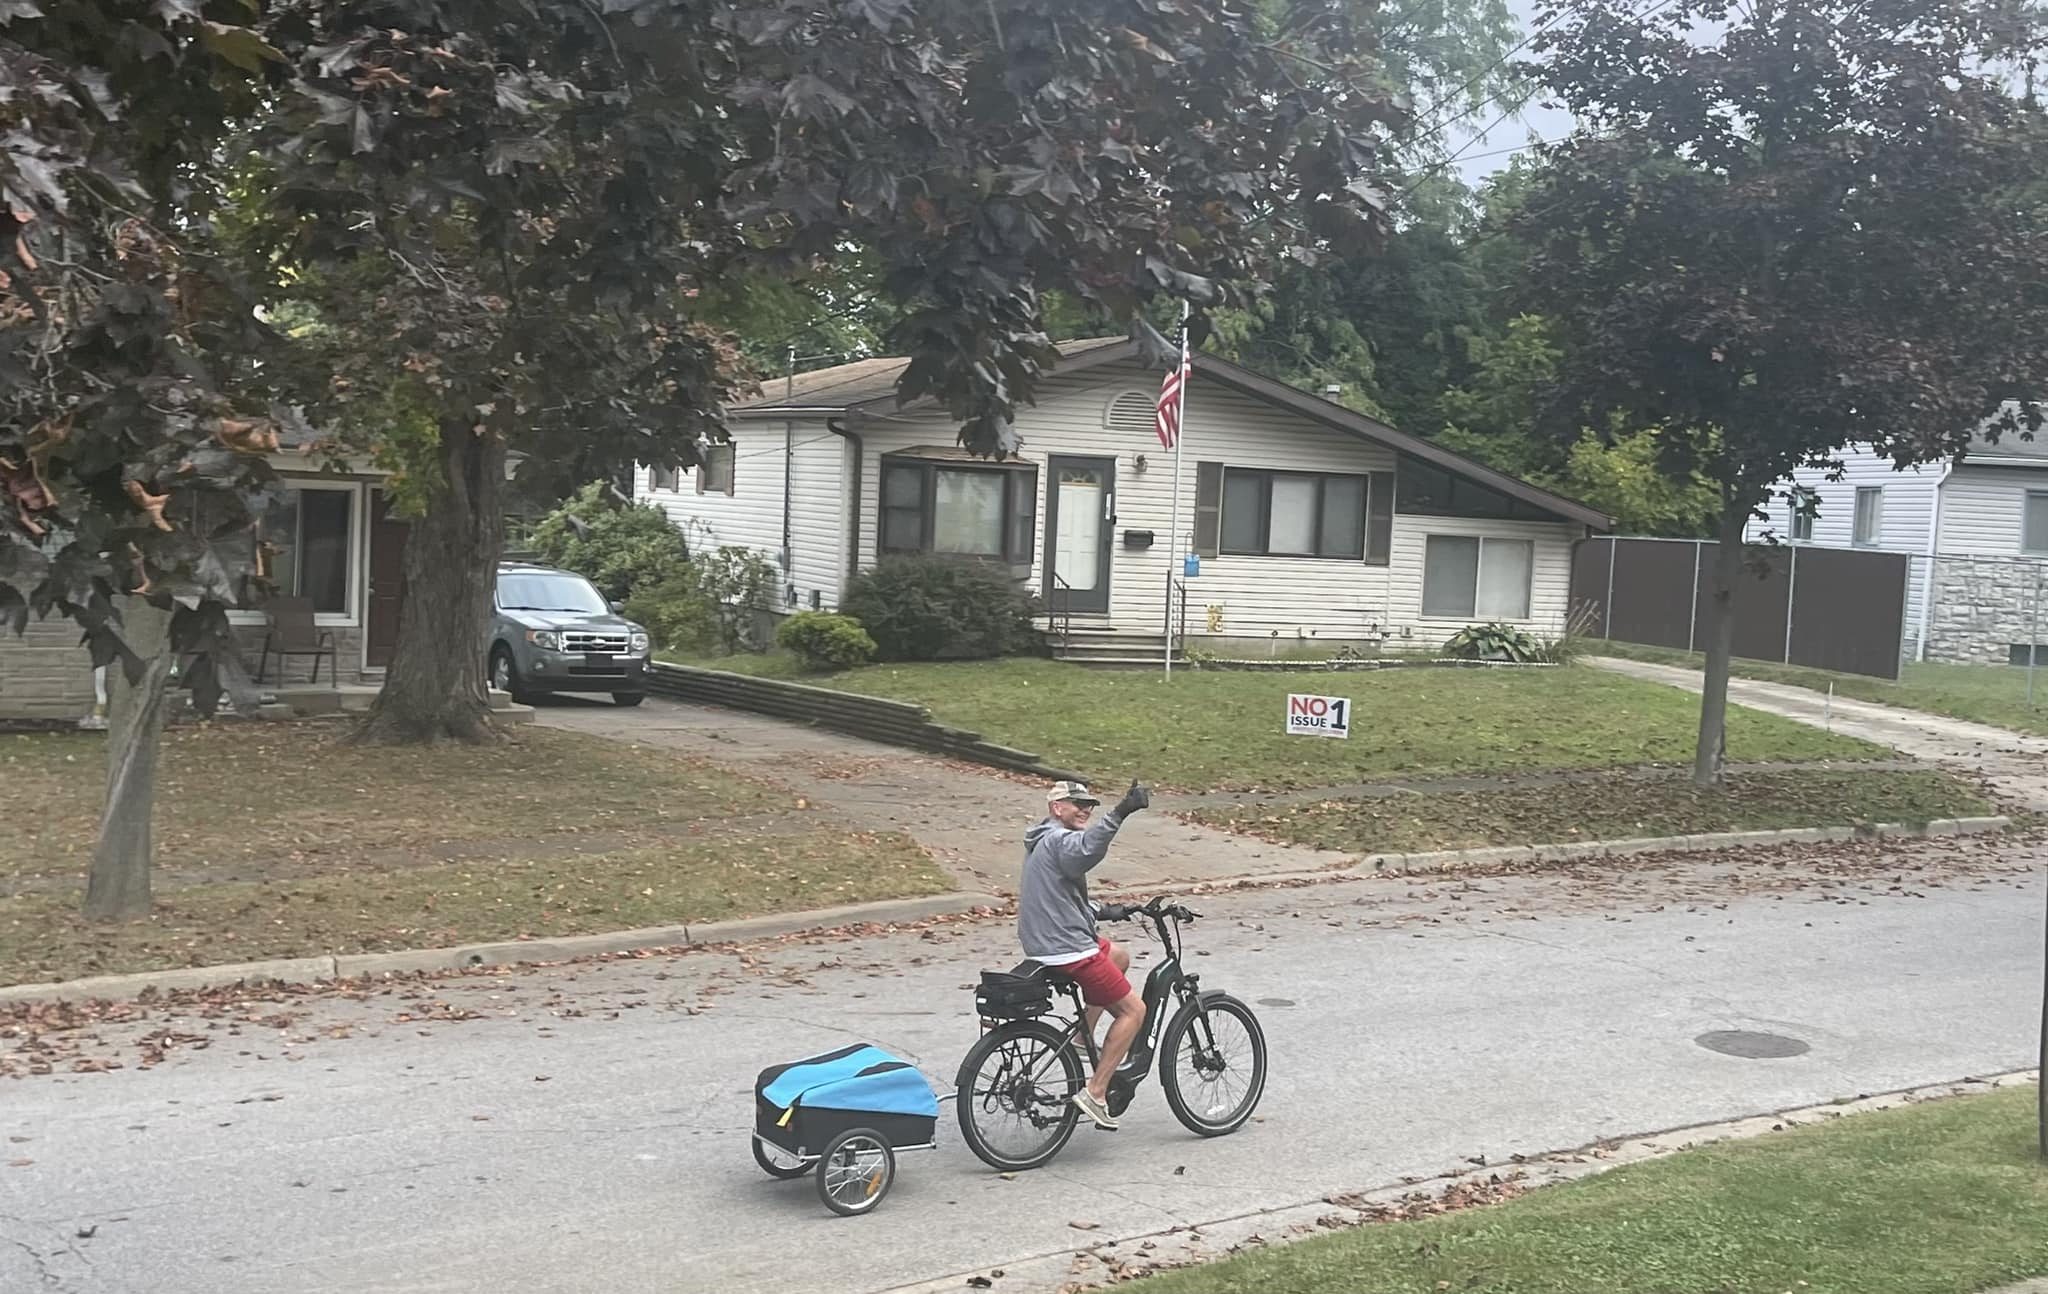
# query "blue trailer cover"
(862, 1078)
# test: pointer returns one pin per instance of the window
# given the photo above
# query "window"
(1432, 491)
(1467, 578)
(549, 591)
(935, 507)
(1803, 503)
(1293, 514)
(308, 538)
(2034, 523)
(714, 471)
(666, 479)
(1869, 515)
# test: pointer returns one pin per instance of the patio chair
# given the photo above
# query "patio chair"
(291, 632)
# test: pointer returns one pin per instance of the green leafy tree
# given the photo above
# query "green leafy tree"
(1796, 237)
(129, 470)
(506, 217)
(619, 547)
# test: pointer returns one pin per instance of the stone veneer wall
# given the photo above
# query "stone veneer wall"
(45, 674)
(1983, 606)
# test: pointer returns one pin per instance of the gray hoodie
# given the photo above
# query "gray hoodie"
(1054, 917)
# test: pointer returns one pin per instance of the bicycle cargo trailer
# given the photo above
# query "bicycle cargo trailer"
(848, 1112)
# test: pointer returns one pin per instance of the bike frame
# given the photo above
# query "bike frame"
(1166, 984)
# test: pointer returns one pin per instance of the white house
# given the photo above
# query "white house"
(1976, 529)
(1310, 521)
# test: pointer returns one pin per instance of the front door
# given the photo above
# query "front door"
(1080, 524)
(387, 582)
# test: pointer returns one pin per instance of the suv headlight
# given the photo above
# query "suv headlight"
(545, 639)
(639, 641)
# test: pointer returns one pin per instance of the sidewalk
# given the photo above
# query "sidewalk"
(2015, 764)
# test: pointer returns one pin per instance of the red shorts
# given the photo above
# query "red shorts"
(1101, 982)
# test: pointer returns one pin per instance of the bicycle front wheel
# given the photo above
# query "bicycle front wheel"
(1212, 1065)
(1013, 1095)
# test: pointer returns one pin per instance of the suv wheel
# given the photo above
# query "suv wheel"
(505, 676)
(628, 698)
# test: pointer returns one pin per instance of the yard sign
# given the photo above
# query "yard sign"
(1318, 716)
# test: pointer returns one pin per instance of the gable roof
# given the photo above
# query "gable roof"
(868, 387)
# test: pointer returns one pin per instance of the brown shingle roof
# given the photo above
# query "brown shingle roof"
(864, 381)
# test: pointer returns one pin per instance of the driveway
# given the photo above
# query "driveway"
(971, 818)
(579, 1129)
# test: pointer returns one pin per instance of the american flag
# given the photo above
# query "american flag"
(1171, 392)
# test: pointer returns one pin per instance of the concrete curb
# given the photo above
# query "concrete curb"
(1455, 860)
(1124, 1257)
(1449, 860)
(315, 970)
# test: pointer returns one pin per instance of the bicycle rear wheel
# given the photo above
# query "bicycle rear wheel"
(1212, 1065)
(1013, 1095)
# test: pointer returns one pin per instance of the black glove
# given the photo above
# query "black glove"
(1112, 912)
(1134, 799)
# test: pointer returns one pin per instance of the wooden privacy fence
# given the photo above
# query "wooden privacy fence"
(1829, 608)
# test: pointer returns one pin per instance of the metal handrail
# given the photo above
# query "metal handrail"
(1060, 616)
(1177, 643)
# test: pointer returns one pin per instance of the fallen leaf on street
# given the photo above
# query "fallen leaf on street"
(1084, 1226)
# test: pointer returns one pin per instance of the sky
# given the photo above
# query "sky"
(1482, 158)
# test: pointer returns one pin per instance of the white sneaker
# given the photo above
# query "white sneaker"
(1085, 1101)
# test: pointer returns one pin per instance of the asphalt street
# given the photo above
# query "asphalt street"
(585, 1128)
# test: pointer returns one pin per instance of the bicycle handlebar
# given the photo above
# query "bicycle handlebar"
(1155, 908)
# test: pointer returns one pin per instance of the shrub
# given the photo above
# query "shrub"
(1577, 637)
(940, 608)
(824, 642)
(1494, 641)
(677, 614)
(620, 547)
(707, 606)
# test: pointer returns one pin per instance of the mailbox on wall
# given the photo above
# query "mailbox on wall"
(1137, 539)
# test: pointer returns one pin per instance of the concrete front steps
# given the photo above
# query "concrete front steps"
(303, 700)
(1110, 648)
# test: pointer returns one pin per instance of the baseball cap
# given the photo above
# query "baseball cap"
(1078, 792)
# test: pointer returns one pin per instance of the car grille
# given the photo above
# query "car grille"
(605, 641)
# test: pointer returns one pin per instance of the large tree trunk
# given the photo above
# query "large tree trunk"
(1712, 752)
(437, 687)
(117, 888)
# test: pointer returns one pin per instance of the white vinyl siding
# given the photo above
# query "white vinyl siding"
(1268, 597)
(751, 516)
(1985, 510)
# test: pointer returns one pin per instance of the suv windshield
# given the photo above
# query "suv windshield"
(530, 591)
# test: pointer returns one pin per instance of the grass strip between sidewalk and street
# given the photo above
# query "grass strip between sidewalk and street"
(1988, 694)
(1209, 730)
(1945, 1197)
(1607, 808)
(281, 840)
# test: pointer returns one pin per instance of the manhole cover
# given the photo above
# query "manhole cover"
(1752, 1046)
(1276, 1001)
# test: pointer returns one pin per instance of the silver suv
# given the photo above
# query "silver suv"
(552, 631)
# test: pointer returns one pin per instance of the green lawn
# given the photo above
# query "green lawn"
(1608, 808)
(1993, 694)
(1212, 730)
(277, 840)
(1947, 1197)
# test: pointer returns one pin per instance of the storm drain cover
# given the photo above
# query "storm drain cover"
(1752, 1046)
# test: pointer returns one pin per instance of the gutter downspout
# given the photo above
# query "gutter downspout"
(837, 426)
(1933, 556)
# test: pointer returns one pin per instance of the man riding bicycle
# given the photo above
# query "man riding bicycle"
(1056, 923)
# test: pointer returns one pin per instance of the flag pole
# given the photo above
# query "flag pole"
(1180, 434)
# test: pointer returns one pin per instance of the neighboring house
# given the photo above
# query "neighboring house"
(1311, 521)
(1975, 529)
(337, 546)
